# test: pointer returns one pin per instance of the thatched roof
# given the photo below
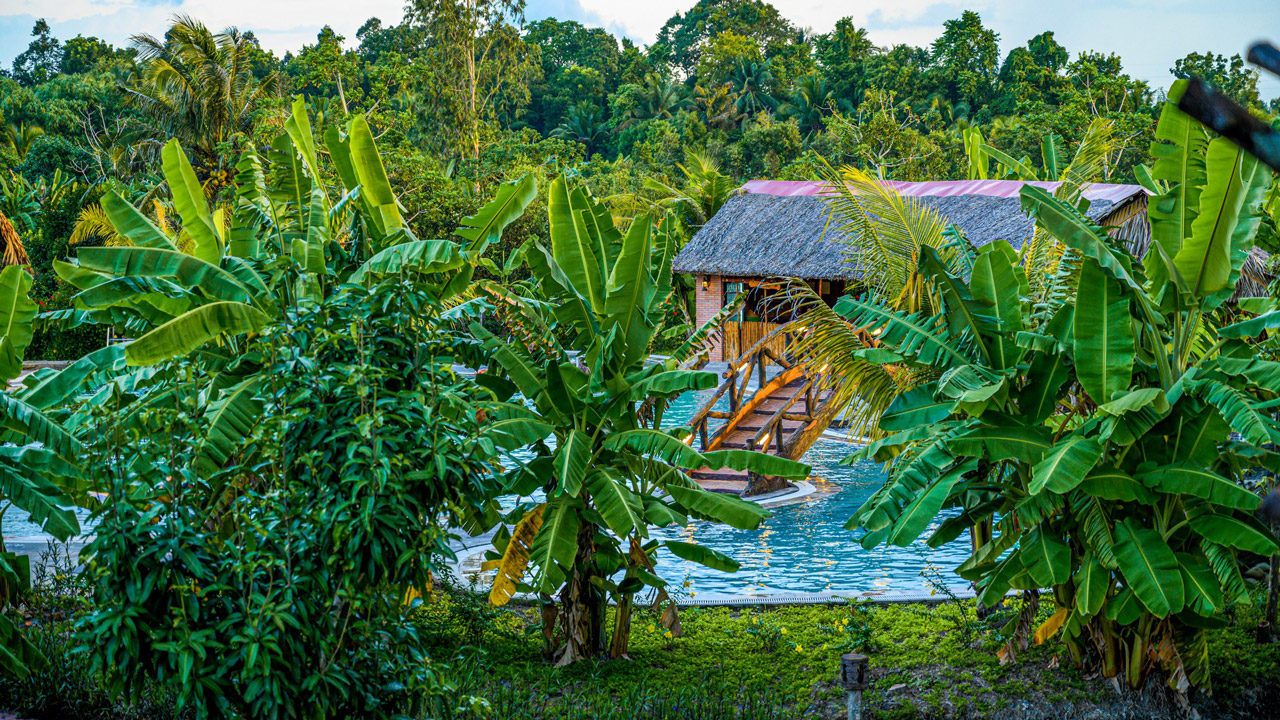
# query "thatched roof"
(768, 235)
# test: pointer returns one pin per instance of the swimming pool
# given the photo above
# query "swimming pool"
(804, 547)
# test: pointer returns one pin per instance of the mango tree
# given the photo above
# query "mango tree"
(601, 473)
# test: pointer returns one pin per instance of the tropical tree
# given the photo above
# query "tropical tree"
(478, 58)
(197, 87)
(752, 82)
(705, 189)
(20, 137)
(1105, 427)
(612, 471)
(583, 125)
(662, 97)
(811, 99)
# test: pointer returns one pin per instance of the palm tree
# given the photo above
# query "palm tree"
(751, 82)
(583, 125)
(197, 86)
(663, 98)
(21, 137)
(705, 189)
(719, 106)
(811, 98)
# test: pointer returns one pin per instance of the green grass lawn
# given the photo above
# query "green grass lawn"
(926, 661)
(737, 663)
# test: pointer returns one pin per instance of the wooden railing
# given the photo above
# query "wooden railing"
(737, 379)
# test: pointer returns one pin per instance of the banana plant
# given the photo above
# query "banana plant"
(581, 368)
(40, 462)
(1107, 439)
(287, 240)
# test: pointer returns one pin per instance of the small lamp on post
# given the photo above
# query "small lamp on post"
(853, 675)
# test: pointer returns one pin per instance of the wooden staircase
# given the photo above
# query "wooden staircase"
(784, 417)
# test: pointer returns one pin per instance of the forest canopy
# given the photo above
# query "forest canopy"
(465, 95)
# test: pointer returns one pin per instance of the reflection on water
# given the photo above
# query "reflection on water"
(804, 547)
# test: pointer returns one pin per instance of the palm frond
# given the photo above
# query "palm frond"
(887, 231)
(831, 345)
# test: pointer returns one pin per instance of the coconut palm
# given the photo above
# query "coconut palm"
(21, 137)
(751, 81)
(705, 189)
(663, 97)
(584, 125)
(811, 99)
(197, 86)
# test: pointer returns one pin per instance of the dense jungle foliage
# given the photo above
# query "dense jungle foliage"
(729, 91)
(373, 291)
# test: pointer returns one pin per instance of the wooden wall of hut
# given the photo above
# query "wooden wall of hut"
(738, 338)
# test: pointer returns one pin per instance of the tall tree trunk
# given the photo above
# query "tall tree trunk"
(582, 609)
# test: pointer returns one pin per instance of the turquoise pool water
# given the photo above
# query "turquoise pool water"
(804, 547)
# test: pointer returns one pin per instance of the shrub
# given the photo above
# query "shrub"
(278, 588)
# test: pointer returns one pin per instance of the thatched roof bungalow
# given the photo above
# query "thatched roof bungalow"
(775, 229)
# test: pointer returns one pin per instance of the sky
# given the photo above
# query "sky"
(1148, 34)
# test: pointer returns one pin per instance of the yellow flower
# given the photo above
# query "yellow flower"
(799, 649)
(652, 627)
(783, 631)
(846, 621)
(687, 583)
(755, 621)
(667, 635)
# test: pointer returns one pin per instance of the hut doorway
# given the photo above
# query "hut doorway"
(760, 316)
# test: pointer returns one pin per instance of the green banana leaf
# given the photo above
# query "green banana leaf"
(58, 388)
(42, 500)
(508, 204)
(188, 197)
(915, 407)
(924, 509)
(1046, 558)
(719, 507)
(1242, 532)
(194, 329)
(1235, 185)
(572, 460)
(420, 257)
(191, 272)
(1104, 342)
(627, 291)
(621, 509)
(574, 250)
(130, 223)
(1189, 479)
(17, 312)
(556, 544)
(1066, 465)
(702, 555)
(1150, 568)
(228, 420)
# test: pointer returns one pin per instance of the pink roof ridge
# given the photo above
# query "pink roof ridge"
(945, 188)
